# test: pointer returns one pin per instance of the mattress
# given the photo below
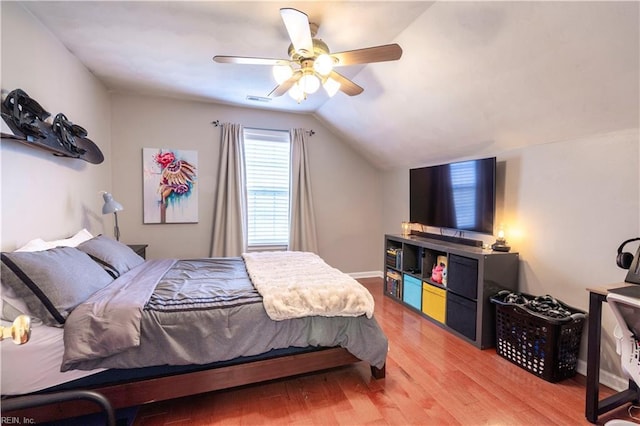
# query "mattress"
(36, 364)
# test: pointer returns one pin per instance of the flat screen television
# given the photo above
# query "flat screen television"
(459, 196)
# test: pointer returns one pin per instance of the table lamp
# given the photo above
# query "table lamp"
(501, 243)
(112, 206)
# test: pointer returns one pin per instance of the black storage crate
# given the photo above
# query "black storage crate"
(461, 315)
(463, 276)
(547, 347)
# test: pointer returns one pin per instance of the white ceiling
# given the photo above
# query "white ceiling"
(475, 78)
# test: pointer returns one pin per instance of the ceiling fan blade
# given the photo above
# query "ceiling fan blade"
(249, 61)
(297, 24)
(346, 85)
(285, 86)
(387, 52)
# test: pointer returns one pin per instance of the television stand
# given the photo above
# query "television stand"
(456, 297)
(449, 238)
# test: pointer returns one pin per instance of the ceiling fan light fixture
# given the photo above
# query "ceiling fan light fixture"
(309, 83)
(296, 93)
(310, 63)
(331, 86)
(323, 64)
(282, 73)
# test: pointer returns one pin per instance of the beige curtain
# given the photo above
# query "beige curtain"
(229, 236)
(302, 235)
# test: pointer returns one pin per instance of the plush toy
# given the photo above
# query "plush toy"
(436, 273)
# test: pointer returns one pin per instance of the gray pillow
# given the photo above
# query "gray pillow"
(52, 282)
(115, 257)
(10, 312)
(12, 306)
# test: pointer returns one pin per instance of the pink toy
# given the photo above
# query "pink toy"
(436, 273)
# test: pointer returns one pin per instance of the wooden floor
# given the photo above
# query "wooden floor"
(433, 378)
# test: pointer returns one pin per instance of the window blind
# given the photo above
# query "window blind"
(464, 181)
(267, 158)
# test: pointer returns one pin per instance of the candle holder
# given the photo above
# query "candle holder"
(406, 229)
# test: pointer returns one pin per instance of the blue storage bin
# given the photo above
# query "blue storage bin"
(412, 291)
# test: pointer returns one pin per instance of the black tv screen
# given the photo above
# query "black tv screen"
(459, 196)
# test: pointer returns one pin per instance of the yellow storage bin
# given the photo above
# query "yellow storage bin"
(434, 302)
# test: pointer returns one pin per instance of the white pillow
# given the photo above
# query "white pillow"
(34, 245)
(39, 244)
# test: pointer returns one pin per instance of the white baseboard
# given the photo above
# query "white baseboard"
(611, 380)
(366, 274)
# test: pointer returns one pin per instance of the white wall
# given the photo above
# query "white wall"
(42, 195)
(345, 188)
(566, 208)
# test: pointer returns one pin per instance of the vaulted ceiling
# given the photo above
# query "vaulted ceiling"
(475, 78)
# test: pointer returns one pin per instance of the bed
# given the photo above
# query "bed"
(141, 331)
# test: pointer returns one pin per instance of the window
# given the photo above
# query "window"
(267, 158)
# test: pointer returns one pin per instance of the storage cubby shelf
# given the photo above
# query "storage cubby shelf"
(457, 295)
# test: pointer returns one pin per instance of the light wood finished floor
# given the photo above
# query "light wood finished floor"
(433, 378)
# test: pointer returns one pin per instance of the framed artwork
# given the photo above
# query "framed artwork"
(170, 190)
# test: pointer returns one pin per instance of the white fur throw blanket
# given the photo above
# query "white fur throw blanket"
(299, 284)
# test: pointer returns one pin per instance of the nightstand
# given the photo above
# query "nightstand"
(140, 249)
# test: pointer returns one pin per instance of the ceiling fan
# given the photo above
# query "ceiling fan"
(311, 63)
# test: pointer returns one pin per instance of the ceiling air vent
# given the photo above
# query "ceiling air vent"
(258, 98)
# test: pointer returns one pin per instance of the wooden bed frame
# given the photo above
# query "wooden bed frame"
(145, 391)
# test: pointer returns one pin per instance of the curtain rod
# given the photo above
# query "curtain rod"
(216, 123)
